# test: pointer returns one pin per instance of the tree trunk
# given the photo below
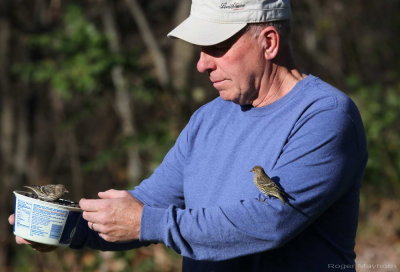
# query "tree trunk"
(7, 133)
(66, 145)
(182, 52)
(159, 60)
(123, 100)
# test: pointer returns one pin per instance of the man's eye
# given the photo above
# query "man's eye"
(217, 50)
(222, 46)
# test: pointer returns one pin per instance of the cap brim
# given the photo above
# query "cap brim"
(204, 33)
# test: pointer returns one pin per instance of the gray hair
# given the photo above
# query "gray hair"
(283, 28)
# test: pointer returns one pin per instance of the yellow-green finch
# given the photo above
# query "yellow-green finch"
(49, 192)
(265, 184)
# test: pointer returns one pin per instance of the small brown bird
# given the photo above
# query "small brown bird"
(49, 192)
(265, 184)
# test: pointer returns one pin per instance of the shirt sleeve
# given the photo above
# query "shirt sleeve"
(85, 237)
(165, 186)
(323, 159)
(162, 189)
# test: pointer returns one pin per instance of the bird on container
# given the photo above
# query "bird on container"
(265, 184)
(49, 192)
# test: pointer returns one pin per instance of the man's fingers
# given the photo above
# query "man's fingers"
(96, 210)
(11, 219)
(37, 246)
(113, 194)
(106, 237)
(97, 217)
(22, 241)
(89, 216)
(90, 205)
(100, 228)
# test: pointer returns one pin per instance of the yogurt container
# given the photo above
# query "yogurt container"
(51, 223)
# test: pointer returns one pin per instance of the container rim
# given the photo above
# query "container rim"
(48, 203)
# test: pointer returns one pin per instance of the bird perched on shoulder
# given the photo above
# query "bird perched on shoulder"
(265, 184)
(49, 192)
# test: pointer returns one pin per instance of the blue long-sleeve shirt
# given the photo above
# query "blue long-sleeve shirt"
(202, 202)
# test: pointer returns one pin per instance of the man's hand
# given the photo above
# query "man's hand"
(116, 216)
(22, 241)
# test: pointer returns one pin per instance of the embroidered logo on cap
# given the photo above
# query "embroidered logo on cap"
(234, 5)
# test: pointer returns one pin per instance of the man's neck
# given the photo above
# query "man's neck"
(279, 83)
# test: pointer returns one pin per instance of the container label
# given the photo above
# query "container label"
(47, 221)
(39, 221)
(23, 214)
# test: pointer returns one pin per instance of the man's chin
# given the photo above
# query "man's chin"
(234, 99)
(227, 96)
(229, 99)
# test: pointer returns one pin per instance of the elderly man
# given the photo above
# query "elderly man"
(201, 201)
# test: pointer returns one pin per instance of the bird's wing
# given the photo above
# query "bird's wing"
(48, 190)
(268, 185)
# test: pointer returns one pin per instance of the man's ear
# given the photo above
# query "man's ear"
(270, 39)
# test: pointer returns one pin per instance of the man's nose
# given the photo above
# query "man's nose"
(205, 62)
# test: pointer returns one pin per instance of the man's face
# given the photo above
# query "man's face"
(235, 67)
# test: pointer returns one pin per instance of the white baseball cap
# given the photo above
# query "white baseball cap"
(213, 21)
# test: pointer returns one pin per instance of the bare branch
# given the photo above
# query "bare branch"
(148, 37)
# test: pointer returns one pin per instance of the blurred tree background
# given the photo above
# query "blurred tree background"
(93, 94)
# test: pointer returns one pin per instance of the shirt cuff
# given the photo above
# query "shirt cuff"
(154, 220)
(80, 236)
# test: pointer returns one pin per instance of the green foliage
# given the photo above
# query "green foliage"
(71, 58)
(74, 59)
(23, 260)
(379, 108)
(155, 141)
